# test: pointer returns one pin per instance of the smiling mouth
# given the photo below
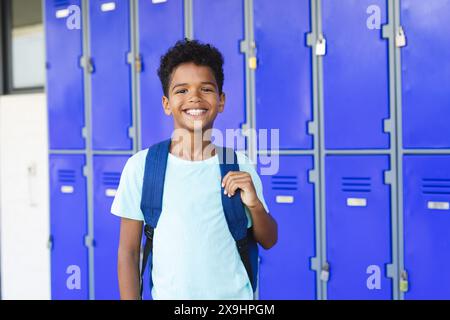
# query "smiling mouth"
(195, 112)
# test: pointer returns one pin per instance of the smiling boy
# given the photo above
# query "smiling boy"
(194, 253)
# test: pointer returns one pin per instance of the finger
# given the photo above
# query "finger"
(231, 175)
(241, 183)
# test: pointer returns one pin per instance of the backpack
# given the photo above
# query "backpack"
(151, 207)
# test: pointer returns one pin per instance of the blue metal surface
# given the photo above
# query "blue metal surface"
(285, 271)
(111, 79)
(358, 238)
(64, 86)
(156, 19)
(426, 231)
(356, 75)
(425, 74)
(229, 15)
(107, 171)
(68, 226)
(284, 72)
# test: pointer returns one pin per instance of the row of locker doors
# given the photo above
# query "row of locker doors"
(355, 69)
(358, 224)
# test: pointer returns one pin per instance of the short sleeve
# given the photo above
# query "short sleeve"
(246, 165)
(127, 201)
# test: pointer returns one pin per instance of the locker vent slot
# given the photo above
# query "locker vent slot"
(435, 186)
(356, 184)
(66, 176)
(284, 183)
(61, 3)
(111, 179)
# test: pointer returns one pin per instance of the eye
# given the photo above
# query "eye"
(207, 89)
(180, 91)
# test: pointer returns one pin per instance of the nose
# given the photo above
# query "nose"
(194, 98)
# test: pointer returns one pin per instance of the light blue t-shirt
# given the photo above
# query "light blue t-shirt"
(194, 253)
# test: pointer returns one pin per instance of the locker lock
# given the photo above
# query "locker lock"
(325, 273)
(400, 38)
(403, 281)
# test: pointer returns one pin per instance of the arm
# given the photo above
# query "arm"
(265, 228)
(128, 259)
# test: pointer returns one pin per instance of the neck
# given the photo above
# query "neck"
(192, 145)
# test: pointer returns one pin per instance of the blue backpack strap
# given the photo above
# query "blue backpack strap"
(237, 219)
(152, 195)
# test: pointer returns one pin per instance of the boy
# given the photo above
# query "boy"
(194, 254)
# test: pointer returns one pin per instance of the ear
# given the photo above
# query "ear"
(222, 102)
(166, 107)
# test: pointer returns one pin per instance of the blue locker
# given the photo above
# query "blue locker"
(68, 227)
(285, 271)
(358, 227)
(229, 15)
(425, 73)
(107, 171)
(155, 20)
(426, 225)
(111, 77)
(284, 71)
(356, 74)
(64, 86)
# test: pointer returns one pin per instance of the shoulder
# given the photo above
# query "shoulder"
(136, 163)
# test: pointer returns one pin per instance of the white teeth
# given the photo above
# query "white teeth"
(195, 112)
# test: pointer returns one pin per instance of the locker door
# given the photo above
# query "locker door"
(356, 74)
(64, 87)
(107, 171)
(426, 225)
(425, 73)
(284, 71)
(111, 78)
(229, 15)
(68, 225)
(358, 227)
(156, 19)
(285, 269)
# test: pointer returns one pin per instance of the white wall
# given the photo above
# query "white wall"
(24, 197)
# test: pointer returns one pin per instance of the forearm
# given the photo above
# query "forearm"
(265, 228)
(129, 276)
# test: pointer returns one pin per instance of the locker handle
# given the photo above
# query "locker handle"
(50, 242)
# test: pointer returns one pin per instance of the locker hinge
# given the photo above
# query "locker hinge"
(325, 272)
(131, 133)
(89, 241)
(87, 64)
(137, 61)
(312, 128)
(390, 271)
(388, 177)
(400, 38)
(50, 243)
(310, 39)
(249, 48)
(244, 129)
(84, 132)
(85, 171)
(314, 263)
(138, 64)
(312, 176)
(388, 126)
(386, 31)
(404, 285)
(319, 44)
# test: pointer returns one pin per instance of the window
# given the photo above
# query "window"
(23, 46)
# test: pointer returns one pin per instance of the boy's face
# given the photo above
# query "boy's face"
(193, 96)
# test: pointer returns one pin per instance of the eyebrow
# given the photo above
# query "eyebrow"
(185, 84)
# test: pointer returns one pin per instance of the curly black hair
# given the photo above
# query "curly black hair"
(190, 51)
